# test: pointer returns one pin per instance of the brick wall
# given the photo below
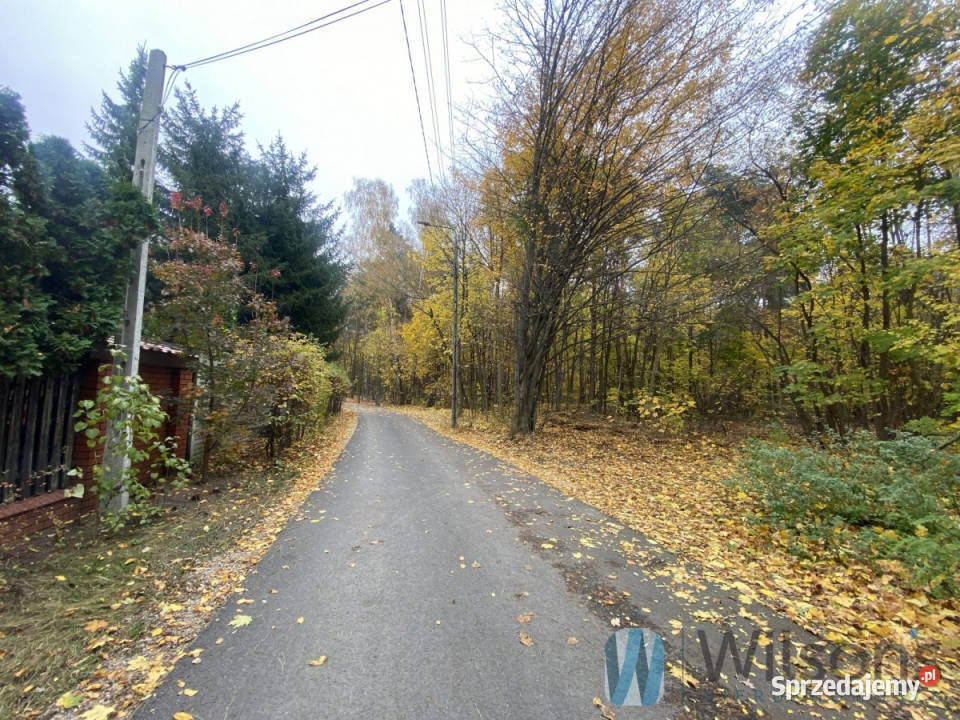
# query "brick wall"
(22, 519)
(167, 379)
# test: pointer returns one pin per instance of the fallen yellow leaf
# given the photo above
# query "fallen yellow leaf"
(139, 664)
(318, 662)
(69, 700)
(98, 712)
(605, 712)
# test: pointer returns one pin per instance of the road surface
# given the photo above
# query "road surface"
(415, 567)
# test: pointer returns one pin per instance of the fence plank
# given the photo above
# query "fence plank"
(44, 462)
(5, 389)
(60, 411)
(72, 398)
(14, 433)
(30, 437)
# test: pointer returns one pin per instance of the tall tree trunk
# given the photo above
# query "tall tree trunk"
(884, 415)
(535, 331)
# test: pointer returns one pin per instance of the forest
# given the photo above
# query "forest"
(733, 227)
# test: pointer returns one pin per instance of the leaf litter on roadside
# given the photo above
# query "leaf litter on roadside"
(691, 512)
(179, 607)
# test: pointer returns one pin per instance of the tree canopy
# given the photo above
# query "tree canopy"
(643, 236)
(68, 223)
(66, 232)
(286, 236)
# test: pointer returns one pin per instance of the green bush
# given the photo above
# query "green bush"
(902, 494)
(339, 387)
(129, 406)
(298, 382)
(256, 378)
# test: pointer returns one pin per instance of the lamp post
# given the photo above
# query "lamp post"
(455, 355)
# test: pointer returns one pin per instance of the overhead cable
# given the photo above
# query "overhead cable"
(416, 93)
(330, 18)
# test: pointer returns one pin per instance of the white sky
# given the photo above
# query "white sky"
(343, 93)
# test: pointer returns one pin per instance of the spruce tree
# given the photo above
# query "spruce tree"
(114, 128)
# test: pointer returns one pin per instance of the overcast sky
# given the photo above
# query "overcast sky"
(344, 93)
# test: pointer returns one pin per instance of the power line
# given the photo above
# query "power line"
(259, 45)
(286, 35)
(431, 84)
(416, 93)
(167, 89)
(446, 66)
(273, 37)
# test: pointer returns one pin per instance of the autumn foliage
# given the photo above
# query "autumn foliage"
(259, 383)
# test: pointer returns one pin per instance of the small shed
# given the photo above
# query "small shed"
(38, 445)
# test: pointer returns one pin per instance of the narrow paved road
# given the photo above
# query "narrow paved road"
(410, 567)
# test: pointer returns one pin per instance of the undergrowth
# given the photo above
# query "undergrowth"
(893, 499)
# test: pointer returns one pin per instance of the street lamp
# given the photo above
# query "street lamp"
(456, 325)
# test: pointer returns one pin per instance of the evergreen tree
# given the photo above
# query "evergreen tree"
(65, 240)
(293, 239)
(92, 225)
(23, 246)
(284, 234)
(203, 152)
(114, 128)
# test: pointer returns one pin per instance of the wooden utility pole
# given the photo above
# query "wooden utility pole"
(455, 333)
(144, 166)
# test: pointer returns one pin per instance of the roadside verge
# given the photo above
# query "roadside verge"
(91, 622)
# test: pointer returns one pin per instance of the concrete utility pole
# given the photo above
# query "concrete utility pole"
(455, 331)
(144, 166)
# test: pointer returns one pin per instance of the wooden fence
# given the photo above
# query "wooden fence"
(36, 434)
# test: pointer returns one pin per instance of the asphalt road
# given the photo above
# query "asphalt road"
(410, 565)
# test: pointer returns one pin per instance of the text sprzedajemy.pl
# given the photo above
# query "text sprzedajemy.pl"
(847, 686)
